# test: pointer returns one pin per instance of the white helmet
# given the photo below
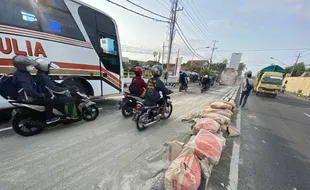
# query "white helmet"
(44, 64)
(206, 76)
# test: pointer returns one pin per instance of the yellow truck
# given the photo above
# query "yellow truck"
(269, 81)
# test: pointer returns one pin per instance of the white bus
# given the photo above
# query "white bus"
(79, 38)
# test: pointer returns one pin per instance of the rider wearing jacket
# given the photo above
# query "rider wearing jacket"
(50, 87)
(28, 88)
(154, 86)
(138, 83)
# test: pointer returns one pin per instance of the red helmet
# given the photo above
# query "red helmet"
(138, 71)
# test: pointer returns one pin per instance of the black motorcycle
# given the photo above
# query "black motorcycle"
(128, 104)
(146, 113)
(183, 87)
(28, 119)
(205, 87)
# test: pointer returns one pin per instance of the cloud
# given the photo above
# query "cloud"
(229, 24)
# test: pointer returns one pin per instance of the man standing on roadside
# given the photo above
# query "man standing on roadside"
(247, 87)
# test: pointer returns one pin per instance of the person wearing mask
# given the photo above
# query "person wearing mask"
(23, 80)
(154, 86)
(248, 85)
(49, 87)
(138, 85)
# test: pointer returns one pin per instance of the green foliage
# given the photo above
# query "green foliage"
(299, 69)
(241, 68)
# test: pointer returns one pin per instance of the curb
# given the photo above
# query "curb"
(230, 96)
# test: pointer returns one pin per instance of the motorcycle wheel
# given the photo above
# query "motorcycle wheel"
(30, 128)
(201, 91)
(180, 89)
(127, 111)
(90, 113)
(169, 109)
(141, 121)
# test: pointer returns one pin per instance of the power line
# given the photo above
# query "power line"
(261, 50)
(154, 19)
(147, 10)
(189, 46)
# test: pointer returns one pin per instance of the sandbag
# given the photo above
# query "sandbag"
(224, 112)
(223, 127)
(233, 131)
(184, 173)
(175, 148)
(220, 105)
(218, 118)
(205, 168)
(207, 145)
(231, 103)
(206, 124)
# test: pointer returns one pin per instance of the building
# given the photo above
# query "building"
(235, 60)
(198, 62)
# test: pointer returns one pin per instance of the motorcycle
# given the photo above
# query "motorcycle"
(183, 87)
(205, 88)
(147, 114)
(128, 104)
(28, 119)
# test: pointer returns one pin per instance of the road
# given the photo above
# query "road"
(273, 149)
(108, 153)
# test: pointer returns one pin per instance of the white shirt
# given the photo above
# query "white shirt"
(251, 82)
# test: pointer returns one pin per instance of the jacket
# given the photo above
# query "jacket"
(140, 84)
(154, 86)
(23, 80)
(48, 86)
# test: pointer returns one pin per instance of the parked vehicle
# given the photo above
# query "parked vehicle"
(147, 113)
(128, 104)
(28, 119)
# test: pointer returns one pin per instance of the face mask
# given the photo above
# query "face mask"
(29, 68)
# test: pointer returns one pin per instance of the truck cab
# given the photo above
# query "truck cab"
(269, 83)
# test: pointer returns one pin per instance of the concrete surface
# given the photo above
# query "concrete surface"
(273, 149)
(108, 153)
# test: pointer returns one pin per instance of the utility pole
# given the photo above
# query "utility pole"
(173, 19)
(163, 53)
(159, 55)
(295, 64)
(213, 48)
(176, 62)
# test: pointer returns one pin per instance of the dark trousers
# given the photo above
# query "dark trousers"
(49, 105)
(244, 98)
(62, 100)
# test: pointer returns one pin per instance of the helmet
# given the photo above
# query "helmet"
(157, 70)
(44, 64)
(206, 76)
(23, 63)
(138, 71)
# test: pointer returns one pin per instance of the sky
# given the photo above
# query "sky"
(258, 29)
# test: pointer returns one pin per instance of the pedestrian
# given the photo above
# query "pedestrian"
(247, 87)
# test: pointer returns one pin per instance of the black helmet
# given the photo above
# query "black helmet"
(157, 70)
(21, 62)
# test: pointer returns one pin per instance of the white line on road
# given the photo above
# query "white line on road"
(5, 129)
(234, 163)
(307, 114)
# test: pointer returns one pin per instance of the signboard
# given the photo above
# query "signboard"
(235, 60)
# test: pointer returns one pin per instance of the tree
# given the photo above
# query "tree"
(219, 67)
(241, 68)
(299, 69)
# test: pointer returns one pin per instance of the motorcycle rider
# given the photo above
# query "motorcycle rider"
(182, 79)
(205, 81)
(138, 85)
(25, 82)
(154, 86)
(50, 87)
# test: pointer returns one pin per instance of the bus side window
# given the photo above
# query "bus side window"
(19, 13)
(59, 22)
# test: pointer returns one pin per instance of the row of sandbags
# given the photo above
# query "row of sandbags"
(191, 162)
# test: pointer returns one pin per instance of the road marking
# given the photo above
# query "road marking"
(307, 114)
(5, 129)
(234, 163)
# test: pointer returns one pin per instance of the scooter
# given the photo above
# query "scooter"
(147, 114)
(128, 104)
(183, 87)
(205, 88)
(28, 119)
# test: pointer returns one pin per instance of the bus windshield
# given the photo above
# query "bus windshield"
(272, 80)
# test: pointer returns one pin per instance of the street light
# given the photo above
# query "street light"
(207, 47)
(277, 60)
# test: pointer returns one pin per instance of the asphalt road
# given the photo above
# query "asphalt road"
(108, 153)
(275, 144)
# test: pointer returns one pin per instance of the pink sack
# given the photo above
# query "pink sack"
(184, 172)
(231, 103)
(224, 112)
(206, 124)
(220, 105)
(207, 145)
(218, 118)
(233, 131)
(175, 148)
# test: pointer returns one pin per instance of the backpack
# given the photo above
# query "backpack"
(133, 88)
(248, 86)
(151, 93)
(8, 89)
